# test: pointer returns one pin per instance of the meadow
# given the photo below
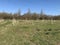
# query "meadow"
(29, 32)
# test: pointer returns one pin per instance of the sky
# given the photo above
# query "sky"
(48, 6)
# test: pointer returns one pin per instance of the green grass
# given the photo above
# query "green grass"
(29, 32)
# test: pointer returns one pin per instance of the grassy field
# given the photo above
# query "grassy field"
(29, 32)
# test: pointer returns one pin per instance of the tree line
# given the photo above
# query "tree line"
(28, 16)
